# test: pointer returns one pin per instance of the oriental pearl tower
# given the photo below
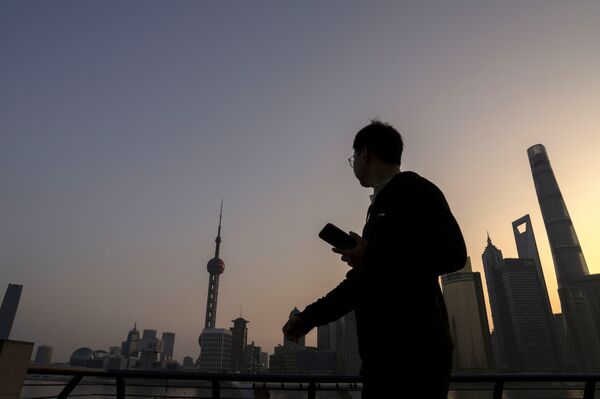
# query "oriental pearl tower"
(215, 268)
(215, 344)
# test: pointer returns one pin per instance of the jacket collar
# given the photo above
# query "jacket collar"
(393, 185)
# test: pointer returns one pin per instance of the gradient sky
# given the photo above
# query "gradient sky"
(123, 123)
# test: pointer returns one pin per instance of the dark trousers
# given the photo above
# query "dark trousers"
(431, 383)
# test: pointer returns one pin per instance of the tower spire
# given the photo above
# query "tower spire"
(489, 241)
(218, 239)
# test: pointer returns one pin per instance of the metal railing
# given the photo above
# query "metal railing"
(263, 383)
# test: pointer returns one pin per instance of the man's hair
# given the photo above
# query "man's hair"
(380, 139)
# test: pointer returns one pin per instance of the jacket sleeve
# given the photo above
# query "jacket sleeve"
(338, 302)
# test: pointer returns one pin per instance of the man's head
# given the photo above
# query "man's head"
(377, 153)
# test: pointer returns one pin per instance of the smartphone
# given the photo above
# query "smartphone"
(337, 237)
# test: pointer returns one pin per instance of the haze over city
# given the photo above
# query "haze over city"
(122, 125)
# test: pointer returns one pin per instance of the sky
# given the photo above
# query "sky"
(124, 123)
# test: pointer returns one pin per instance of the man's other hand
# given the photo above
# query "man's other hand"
(353, 257)
(296, 328)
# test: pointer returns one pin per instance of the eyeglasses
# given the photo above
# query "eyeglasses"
(351, 161)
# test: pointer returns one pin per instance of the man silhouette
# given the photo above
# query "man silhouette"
(409, 240)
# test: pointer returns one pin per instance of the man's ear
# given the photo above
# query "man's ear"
(366, 155)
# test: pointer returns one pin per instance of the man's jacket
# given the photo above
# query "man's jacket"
(401, 317)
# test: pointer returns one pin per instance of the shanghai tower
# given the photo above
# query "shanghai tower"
(579, 291)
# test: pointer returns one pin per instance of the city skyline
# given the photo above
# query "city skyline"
(115, 154)
(314, 331)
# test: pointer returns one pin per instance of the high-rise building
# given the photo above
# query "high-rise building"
(506, 355)
(168, 339)
(326, 337)
(264, 360)
(567, 254)
(579, 292)
(148, 335)
(129, 347)
(463, 294)
(215, 355)
(349, 361)
(340, 336)
(8, 310)
(44, 354)
(534, 331)
(150, 348)
(256, 359)
(239, 337)
(565, 344)
(527, 249)
(496, 347)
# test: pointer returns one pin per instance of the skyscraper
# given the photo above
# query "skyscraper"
(350, 357)
(533, 330)
(566, 251)
(8, 310)
(239, 340)
(527, 249)
(506, 355)
(326, 337)
(565, 344)
(329, 336)
(579, 292)
(150, 347)
(256, 359)
(129, 347)
(463, 294)
(215, 355)
(340, 336)
(168, 339)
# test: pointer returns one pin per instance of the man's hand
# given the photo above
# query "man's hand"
(296, 328)
(353, 256)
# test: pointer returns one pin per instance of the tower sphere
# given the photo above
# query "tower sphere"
(215, 265)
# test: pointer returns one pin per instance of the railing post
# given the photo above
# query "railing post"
(312, 390)
(120, 388)
(69, 387)
(216, 389)
(590, 388)
(498, 388)
(14, 358)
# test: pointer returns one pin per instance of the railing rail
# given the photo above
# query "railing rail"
(309, 383)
